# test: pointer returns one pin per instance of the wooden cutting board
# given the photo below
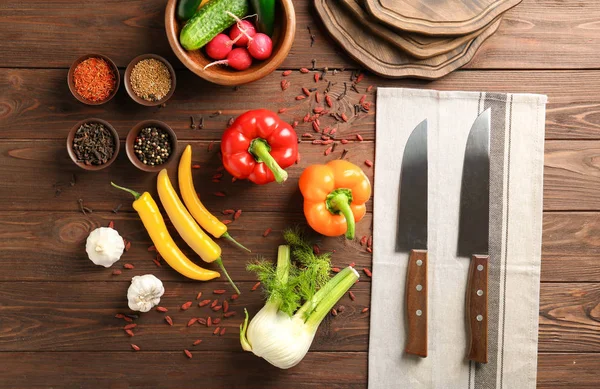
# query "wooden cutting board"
(438, 17)
(417, 45)
(384, 58)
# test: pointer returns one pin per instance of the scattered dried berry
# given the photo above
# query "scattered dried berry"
(186, 306)
(192, 321)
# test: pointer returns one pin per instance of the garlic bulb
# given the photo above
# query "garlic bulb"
(104, 246)
(144, 292)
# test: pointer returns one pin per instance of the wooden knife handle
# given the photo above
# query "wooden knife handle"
(477, 308)
(416, 303)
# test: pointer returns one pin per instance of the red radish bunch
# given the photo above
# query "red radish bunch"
(250, 45)
(241, 32)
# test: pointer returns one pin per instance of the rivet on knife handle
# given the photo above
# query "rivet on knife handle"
(416, 303)
(477, 308)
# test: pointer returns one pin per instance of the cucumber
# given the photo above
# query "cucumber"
(209, 21)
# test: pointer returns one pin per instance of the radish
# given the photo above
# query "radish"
(238, 58)
(219, 47)
(241, 31)
(260, 46)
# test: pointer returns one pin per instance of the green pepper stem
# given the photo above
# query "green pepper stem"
(260, 149)
(339, 201)
(219, 262)
(135, 194)
(235, 242)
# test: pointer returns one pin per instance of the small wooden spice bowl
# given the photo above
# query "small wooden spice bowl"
(71, 137)
(283, 37)
(71, 82)
(127, 80)
(132, 135)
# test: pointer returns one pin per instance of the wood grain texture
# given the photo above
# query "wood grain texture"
(172, 370)
(23, 162)
(33, 96)
(477, 308)
(537, 34)
(570, 247)
(419, 46)
(570, 317)
(448, 17)
(167, 370)
(79, 316)
(568, 371)
(61, 237)
(41, 236)
(30, 97)
(416, 303)
(383, 58)
(571, 176)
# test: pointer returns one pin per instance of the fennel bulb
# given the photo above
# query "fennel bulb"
(283, 330)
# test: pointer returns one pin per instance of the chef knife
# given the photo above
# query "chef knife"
(412, 236)
(474, 233)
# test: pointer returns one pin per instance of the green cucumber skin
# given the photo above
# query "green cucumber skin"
(187, 8)
(209, 21)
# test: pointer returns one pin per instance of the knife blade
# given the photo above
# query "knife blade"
(474, 233)
(412, 236)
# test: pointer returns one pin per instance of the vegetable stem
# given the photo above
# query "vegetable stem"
(135, 194)
(235, 242)
(243, 328)
(339, 201)
(328, 296)
(283, 264)
(260, 149)
(219, 262)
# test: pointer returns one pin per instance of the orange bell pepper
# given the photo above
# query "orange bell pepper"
(334, 197)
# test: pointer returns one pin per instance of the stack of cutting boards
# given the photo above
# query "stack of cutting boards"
(412, 38)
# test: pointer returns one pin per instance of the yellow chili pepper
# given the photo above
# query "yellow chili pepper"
(187, 227)
(154, 223)
(202, 215)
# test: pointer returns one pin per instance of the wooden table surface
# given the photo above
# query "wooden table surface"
(57, 324)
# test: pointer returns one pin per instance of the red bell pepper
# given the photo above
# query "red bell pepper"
(258, 146)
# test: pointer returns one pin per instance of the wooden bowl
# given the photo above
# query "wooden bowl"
(283, 37)
(127, 80)
(72, 83)
(71, 137)
(133, 133)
